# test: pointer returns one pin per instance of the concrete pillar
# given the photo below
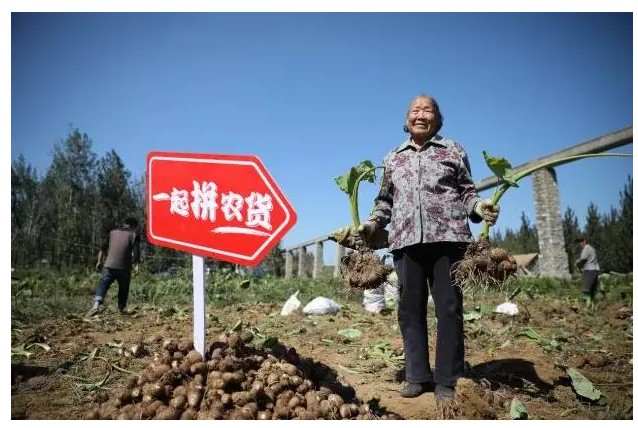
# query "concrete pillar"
(301, 273)
(288, 274)
(552, 259)
(338, 255)
(318, 265)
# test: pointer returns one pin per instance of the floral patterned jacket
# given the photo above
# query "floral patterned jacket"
(427, 194)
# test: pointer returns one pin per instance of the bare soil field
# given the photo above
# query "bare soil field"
(76, 363)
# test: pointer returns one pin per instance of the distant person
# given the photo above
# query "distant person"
(123, 251)
(427, 196)
(589, 263)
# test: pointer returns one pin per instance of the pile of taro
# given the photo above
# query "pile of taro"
(234, 381)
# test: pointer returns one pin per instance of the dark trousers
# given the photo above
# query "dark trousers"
(419, 266)
(590, 282)
(123, 277)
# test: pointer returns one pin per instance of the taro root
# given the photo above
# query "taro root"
(194, 395)
(483, 266)
(288, 369)
(167, 413)
(233, 378)
(185, 345)
(123, 397)
(189, 414)
(234, 340)
(345, 411)
(193, 357)
(198, 368)
(336, 401)
(178, 402)
(155, 390)
(264, 415)
(180, 384)
(170, 345)
(150, 410)
(364, 269)
(242, 398)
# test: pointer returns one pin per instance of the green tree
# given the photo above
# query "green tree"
(571, 231)
(26, 216)
(527, 236)
(625, 223)
(68, 194)
(616, 247)
(593, 226)
(274, 263)
(114, 190)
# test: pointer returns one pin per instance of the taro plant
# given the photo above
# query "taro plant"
(485, 266)
(363, 268)
(502, 168)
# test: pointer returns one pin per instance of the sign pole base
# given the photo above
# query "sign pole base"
(199, 305)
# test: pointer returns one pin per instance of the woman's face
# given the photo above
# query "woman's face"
(423, 119)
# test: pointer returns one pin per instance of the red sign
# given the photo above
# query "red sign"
(226, 207)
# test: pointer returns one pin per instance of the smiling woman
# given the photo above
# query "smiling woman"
(424, 118)
(427, 196)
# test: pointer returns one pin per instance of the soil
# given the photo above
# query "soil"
(81, 361)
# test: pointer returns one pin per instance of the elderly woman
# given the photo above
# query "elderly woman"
(427, 195)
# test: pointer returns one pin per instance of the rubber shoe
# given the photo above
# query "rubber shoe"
(97, 307)
(443, 393)
(411, 390)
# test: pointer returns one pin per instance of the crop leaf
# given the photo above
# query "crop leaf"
(20, 352)
(346, 181)
(518, 410)
(471, 316)
(350, 333)
(531, 333)
(501, 167)
(583, 386)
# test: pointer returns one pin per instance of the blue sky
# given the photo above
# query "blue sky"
(312, 94)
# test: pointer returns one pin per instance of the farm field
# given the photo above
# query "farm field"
(67, 366)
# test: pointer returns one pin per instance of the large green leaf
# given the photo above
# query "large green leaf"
(499, 166)
(350, 333)
(518, 410)
(583, 386)
(347, 180)
(531, 333)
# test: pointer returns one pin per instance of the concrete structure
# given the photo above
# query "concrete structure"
(300, 251)
(552, 259)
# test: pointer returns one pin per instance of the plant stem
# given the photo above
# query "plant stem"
(498, 194)
(354, 198)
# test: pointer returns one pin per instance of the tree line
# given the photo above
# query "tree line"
(610, 233)
(62, 218)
